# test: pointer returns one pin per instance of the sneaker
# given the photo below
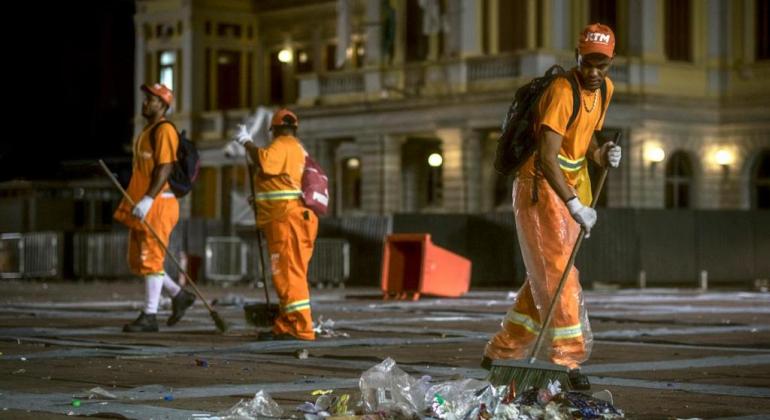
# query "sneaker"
(179, 305)
(578, 380)
(144, 323)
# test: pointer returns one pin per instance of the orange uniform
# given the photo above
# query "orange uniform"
(145, 256)
(547, 233)
(290, 229)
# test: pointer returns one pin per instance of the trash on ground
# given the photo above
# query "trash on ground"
(325, 328)
(262, 405)
(202, 363)
(99, 392)
(75, 402)
(326, 406)
(387, 388)
(301, 354)
(19, 371)
(321, 392)
(389, 392)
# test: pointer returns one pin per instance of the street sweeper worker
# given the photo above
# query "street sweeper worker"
(155, 203)
(548, 227)
(290, 228)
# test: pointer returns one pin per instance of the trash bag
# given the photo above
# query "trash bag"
(261, 406)
(386, 388)
(461, 399)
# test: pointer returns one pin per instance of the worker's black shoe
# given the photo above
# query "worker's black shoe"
(179, 305)
(486, 363)
(578, 381)
(269, 336)
(144, 323)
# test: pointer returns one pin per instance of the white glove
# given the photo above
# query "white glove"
(142, 207)
(613, 155)
(585, 216)
(233, 149)
(243, 135)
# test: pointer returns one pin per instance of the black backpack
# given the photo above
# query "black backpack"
(187, 164)
(518, 139)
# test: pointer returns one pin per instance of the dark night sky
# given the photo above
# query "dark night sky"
(72, 89)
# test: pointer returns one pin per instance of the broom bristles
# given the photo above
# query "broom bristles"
(525, 374)
(219, 322)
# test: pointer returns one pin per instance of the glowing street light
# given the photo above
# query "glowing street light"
(655, 154)
(724, 157)
(435, 160)
(284, 56)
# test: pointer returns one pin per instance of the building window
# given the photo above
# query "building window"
(763, 29)
(228, 79)
(421, 174)
(304, 61)
(678, 31)
(761, 181)
(276, 80)
(416, 40)
(678, 181)
(606, 13)
(512, 26)
(351, 184)
(166, 62)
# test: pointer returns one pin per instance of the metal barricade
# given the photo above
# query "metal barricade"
(31, 255)
(226, 258)
(101, 255)
(330, 265)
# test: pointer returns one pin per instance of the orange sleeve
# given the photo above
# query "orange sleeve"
(272, 159)
(610, 90)
(555, 106)
(166, 143)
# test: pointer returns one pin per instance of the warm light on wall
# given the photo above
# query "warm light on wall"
(654, 154)
(435, 160)
(284, 56)
(724, 157)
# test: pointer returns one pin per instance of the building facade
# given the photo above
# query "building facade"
(401, 100)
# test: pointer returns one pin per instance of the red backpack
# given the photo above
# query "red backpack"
(315, 187)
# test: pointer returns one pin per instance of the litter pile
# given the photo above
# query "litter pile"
(387, 392)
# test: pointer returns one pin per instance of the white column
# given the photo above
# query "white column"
(380, 173)
(453, 170)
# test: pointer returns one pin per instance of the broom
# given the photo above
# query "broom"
(218, 320)
(252, 312)
(532, 372)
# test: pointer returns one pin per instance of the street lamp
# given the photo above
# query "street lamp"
(284, 56)
(435, 160)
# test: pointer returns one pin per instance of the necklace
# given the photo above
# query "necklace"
(596, 96)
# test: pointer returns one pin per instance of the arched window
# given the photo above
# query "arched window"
(761, 181)
(678, 181)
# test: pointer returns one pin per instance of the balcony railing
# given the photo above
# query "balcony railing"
(493, 67)
(341, 83)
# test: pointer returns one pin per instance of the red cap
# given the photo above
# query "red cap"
(284, 117)
(165, 94)
(597, 38)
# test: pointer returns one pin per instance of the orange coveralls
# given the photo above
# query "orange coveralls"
(145, 256)
(547, 232)
(290, 229)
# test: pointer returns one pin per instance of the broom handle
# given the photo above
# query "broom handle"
(154, 234)
(259, 231)
(570, 263)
